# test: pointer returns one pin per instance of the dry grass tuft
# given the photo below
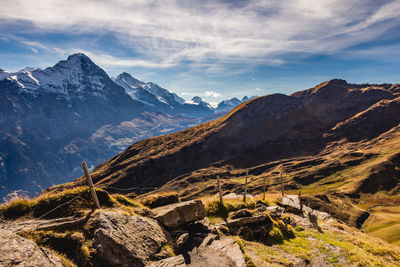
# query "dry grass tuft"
(159, 199)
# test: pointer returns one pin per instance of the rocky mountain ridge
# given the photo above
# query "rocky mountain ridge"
(52, 119)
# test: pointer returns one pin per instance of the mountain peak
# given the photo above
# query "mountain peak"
(197, 99)
(80, 56)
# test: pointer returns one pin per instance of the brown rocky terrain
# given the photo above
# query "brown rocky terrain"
(311, 136)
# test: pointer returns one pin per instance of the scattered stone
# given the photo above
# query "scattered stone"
(241, 213)
(177, 261)
(262, 219)
(201, 226)
(292, 204)
(208, 240)
(122, 240)
(275, 210)
(223, 229)
(261, 208)
(18, 251)
(322, 215)
(177, 214)
(181, 242)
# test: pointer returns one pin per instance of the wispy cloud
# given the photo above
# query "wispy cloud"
(208, 33)
(212, 94)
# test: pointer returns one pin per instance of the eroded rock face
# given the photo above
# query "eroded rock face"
(180, 213)
(122, 240)
(18, 251)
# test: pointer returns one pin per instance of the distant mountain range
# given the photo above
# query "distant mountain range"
(52, 119)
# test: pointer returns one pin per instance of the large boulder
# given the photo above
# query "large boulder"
(177, 214)
(18, 251)
(123, 240)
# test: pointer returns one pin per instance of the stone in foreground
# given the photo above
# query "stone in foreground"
(224, 252)
(18, 251)
(180, 213)
(122, 240)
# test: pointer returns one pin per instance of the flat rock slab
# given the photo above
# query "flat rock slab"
(123, 240)
(18, 251)
(224, 252)
(291, 201)
(177, 214)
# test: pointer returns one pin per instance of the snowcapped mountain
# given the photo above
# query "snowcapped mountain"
(135, 88)
(161, 99)
(52, 119)
(165, 101)
(228, 104)
(199, 101)
(77, 74)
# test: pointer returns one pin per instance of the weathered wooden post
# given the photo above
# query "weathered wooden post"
(282, 188)
(299, 194)
(265, 178)
(221, 201)
(245, 186)
(91, 187)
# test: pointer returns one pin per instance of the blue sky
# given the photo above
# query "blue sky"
(214, 49)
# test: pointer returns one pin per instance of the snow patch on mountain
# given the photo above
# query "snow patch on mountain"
(77, 72)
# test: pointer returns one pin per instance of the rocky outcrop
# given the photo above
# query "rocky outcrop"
(241, 213)
(211, 253)
(292, 203)
(18, 251)
(180, 213)
(122, 240)
(302, 215)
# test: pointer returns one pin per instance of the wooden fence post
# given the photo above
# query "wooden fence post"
(282, 188)
(221, 201)
(245, 186)
(265, 178)
(91, 187)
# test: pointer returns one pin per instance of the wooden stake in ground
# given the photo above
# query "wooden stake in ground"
(265, 178)
(245, 186)
(282, 188)
(91, 187)
(221, 201)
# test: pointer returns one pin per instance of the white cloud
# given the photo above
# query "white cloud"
(212, 94)
(212, 34)
(213, 104)
(34, 50)
(258, 89)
